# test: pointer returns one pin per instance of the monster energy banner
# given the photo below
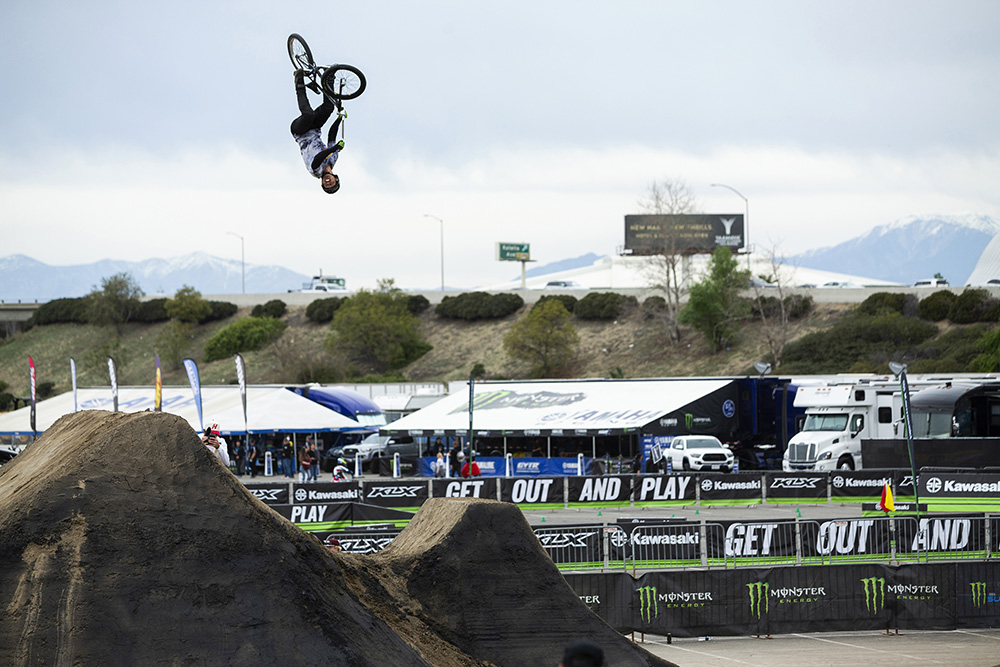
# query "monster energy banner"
(797, 599)
(607, 491)
(665, 490)
(464, 488)
(859, 485)
(713, 414)
(272, 494)
(539, 492)
(572, 545)
(732, 489)
(400, 494)
(795, 487)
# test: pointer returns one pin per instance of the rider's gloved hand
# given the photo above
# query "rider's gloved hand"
(339, 145)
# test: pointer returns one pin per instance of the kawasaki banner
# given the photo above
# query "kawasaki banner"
(464, 488)
(852, 486)
(959, 492)
(649, 544)
(326, 492)
(539, 493)
(795, 487)
(665, 490)
(400, 493)
(609, 491)
(733, 489)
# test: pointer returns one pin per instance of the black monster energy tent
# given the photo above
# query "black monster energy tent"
(580, 407)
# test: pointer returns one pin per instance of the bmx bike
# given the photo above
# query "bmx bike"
(336, 82)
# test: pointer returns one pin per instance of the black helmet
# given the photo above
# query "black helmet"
(333, 188)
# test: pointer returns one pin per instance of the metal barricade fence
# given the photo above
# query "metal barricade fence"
(580, 547)
(944, 538)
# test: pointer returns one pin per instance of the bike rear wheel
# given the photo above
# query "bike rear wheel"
(299, 53)
(343, 82)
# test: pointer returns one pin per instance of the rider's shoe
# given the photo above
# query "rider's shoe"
(299, 77)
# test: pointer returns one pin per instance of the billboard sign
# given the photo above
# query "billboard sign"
(514, 252)
(683, 234)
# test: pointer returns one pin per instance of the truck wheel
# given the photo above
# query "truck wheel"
(686, 465)
(845, 463)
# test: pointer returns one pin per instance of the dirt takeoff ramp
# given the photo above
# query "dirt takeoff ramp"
(125, 542)
(475, 572)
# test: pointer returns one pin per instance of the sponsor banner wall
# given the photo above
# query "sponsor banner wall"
(957, 492)
(538, 493)
(318, 517)
(854, 539)
(941, 536)
(852, 486)
(766, 541)
(464, 488)
(795, 487)
(608, 491)
(903, 486)
(326, 492)
(401, 493)
(272, 494)
(743, 488)
(649, 544)
(665, 490)
(607, 595)
(571, 545)
(799, 599)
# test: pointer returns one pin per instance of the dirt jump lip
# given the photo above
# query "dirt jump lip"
(127, 542)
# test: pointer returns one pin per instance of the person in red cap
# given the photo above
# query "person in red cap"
(333, 544)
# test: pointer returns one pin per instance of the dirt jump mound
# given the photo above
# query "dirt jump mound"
(125, 542)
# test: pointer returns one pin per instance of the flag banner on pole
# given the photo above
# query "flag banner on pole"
(113, 374)
(72, 375)
(192, 371)
(241, 377)
(31, 386)
(158, 388)
(886, 504)
(908, 426)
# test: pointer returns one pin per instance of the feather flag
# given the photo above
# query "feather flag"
(192, 371)
(72, 373)
(241, 376)
(158, 388)
(31, 385)
(886, 504)
(113, 374)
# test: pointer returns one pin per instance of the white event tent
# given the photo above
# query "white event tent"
(270, 409)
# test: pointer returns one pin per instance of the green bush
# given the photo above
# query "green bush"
(883, 302)
(6, 401)
(604, 306)
(953, 351)
(472, 306)
(61, 311)
(653, 307)
(251, 333)
(154, 310)
(220, 310)
(798, 305)
(275, 308)
(417, 303)
(936, 307)
(972, 305)
(567, 300)
(321, 311)
(45, 389)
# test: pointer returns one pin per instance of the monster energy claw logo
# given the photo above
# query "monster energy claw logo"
(978, 593)
(648, 609)
(874, 594)
(688, 420)
(758, 592)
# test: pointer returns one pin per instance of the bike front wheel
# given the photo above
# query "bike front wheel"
(343, 82)
(299, 53)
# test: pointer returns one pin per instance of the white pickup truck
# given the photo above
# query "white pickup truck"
(325, 285)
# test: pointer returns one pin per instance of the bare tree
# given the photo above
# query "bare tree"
(771, 304)
(665, 271)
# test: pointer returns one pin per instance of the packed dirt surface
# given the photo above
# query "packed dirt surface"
(125, 542)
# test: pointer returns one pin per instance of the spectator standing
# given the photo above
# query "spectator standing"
(439, 467)
(314, 455)
(455, 457)
(287, 458)
(252, 458)
(305, 464)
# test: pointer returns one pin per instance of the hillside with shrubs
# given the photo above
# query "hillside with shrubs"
(389, 335)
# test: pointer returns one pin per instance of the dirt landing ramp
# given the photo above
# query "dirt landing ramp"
(475, 572)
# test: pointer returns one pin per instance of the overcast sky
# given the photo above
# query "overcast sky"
(135, 130)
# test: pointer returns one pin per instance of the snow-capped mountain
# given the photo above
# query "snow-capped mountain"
(25, 279)
(910, 249)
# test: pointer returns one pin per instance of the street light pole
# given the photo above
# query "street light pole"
(243, 271)
(428, 215)
(746, 219)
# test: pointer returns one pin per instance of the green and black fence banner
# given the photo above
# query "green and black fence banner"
(848, 539)
(609, 491)
(272, 494)
(326, 492)
(400, 493)
(317, 517)
(536, 492)
(361, 542)
(795, 487)
(570, 546)
(655, 544)
(959, 492)
(777, 600)
(479, 487)
(852, 486)
(734, 489)
(941, 536)
(665, 490)
(902, 486)
(768, 541)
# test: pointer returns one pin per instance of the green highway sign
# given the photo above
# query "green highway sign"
(514, 252)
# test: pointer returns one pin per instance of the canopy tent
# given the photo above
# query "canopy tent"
(562, 408)
(269, 409)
